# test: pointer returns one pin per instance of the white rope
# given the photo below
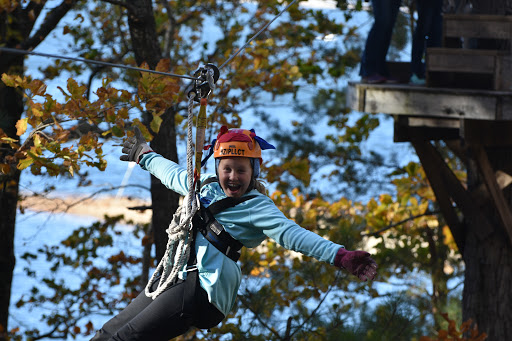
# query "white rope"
(180, 231)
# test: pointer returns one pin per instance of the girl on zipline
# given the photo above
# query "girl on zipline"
(234, 212)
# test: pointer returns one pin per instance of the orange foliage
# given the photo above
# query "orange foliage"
(454, 334)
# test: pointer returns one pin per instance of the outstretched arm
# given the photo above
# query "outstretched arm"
(266, 217)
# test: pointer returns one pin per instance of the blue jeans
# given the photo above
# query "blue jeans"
(428, 32)
(373, 60)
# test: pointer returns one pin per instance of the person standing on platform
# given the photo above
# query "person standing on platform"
(428, 33)
(373, 61)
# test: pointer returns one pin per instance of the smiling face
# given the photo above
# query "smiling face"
(235, 175)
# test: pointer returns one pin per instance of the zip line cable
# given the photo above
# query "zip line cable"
(97, 62)
(257, 34)
(91, 61)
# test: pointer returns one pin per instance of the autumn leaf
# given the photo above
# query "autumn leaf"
(37, 87)
(155, 123)
(22, 164)
(21, 126)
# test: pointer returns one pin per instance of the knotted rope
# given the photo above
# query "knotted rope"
(180, 233)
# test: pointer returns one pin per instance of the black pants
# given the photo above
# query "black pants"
(161, 319)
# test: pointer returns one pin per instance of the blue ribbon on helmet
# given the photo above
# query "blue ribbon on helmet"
(263, 144)
(210, 153)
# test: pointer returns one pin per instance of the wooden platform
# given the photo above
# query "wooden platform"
(477, 116)
(404, 99)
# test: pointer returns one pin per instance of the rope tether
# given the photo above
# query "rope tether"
(180, 231)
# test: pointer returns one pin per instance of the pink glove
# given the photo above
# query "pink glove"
(358, 263)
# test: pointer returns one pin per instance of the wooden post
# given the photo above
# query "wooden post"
(443, 197)
(497, 196)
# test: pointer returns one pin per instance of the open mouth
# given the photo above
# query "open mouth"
(234, 187)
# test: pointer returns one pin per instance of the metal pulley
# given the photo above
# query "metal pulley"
(202, 86)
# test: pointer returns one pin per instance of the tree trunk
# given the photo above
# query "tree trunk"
(147, 49)
(488, 276)
(11, 107)
(164, 201)
(488, 258)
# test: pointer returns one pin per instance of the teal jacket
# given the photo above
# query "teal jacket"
(250, 222)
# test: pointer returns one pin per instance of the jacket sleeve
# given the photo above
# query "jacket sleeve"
(172, 175)
(273, 223)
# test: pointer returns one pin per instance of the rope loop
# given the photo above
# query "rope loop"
(180, 231)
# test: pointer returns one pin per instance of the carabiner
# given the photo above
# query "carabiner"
(201, 87)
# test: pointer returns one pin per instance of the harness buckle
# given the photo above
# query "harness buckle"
(191, 268)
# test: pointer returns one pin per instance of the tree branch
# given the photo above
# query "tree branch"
(256, 315)
(124, 4)
(373, 234)
(51, 21)
(313, 313)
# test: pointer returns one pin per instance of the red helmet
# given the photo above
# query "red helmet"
(236, 143)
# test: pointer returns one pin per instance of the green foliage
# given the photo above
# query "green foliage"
(396, 318)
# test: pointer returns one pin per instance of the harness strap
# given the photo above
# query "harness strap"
(189, 293)
(226, 203)
(212, 230)
(215, 233)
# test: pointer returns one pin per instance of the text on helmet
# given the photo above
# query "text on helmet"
(232, 152)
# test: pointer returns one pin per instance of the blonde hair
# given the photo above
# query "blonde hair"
(260, 186)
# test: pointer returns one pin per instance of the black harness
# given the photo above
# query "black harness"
(212, 230)
(205, 222)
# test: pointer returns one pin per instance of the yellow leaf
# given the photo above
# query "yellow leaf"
(8, 140)
(5, 168)
(164, 65)
(294, 70)
(21, 126)
(36, 111)
(22, 164)
(11, 80)
(448, 238)
(255, 272)
(257, 62)
(37, 141)
(156, 123)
